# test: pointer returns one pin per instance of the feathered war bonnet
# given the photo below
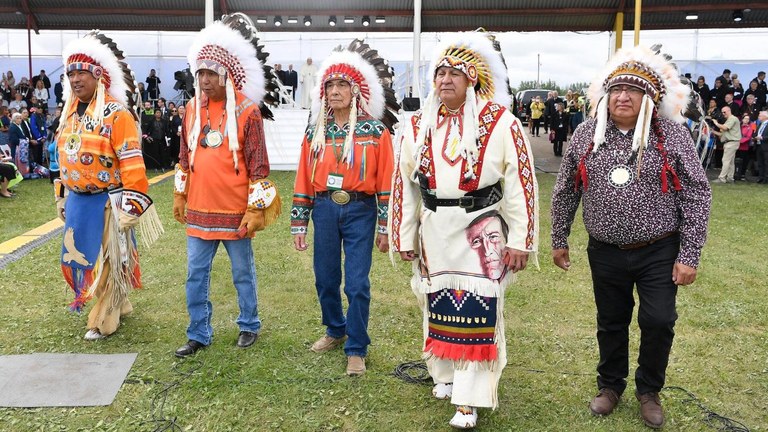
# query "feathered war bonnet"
(478, 55)
(665, 95)
(230, 49)
(649, 70)
(371, 80)
(99, 55)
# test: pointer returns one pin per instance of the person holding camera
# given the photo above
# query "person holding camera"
(729, 132)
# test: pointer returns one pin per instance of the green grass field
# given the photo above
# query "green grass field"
(720, 353)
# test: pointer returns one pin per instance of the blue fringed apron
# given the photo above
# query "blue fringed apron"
(81, 258)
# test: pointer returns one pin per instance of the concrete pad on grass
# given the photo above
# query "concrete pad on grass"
(62, 380)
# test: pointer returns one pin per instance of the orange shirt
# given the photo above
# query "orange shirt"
(371, 171)
(97, 158)
(217, 197)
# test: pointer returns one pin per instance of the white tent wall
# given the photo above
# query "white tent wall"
(565, 58)
(166, 51)
(565, 63)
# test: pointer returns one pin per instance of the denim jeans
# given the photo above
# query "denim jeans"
(200, 255)
(352, 227)
(615, 272)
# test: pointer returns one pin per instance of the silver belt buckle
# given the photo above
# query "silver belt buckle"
(340, 197)
(467, 201)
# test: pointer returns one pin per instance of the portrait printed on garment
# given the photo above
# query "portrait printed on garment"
(487, 236)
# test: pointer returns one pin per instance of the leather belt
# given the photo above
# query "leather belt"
(95, 191)
(643, 244)
(343, 197)
(470, 202)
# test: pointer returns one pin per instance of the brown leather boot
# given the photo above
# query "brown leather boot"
(604, 403)
(650, 409)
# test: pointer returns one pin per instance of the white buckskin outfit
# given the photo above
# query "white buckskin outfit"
(464, 189)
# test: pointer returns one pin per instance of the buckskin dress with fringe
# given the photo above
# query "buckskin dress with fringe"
(108, 157)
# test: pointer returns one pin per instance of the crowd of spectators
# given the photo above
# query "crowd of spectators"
(559, 116)
(744, 105)
(30, 112)
(161, 133)
(727, 90)
(29, 94)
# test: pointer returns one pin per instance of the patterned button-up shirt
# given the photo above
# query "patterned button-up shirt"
(639, 211)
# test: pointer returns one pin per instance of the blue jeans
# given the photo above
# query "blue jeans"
(351, 226)
(200, 255)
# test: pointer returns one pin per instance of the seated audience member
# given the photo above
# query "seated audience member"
(5, 124)
(24, 88)
(18, 102)
(7, 173)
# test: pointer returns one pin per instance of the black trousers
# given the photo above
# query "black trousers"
(36, 153)
(745, 156)
(557, 147)
(761, 151)
(536, 125)
(615, 274)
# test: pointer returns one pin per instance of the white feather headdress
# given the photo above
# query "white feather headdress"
(477, 48)
(371, 79)
(98, 54)
(649, 70)
(478, 55)
(226, 47)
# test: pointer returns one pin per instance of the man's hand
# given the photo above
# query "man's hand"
(514, 259)
(60, 209)
(561, 258)
(683, 274)
(180, 208)
(127, 221)
(382, 242)
(60, 195)
(407, 255)
(300, 242)
(253, 220)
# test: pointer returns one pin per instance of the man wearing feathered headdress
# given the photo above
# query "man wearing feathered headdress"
(646, 205)
(343, 182)
(465, 210)
(101, 195)
(221, 189)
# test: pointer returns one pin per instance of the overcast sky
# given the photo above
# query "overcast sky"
(564, 57)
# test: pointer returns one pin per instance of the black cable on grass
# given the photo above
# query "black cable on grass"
(413, 372)
(416, 373)
(184, 369)
(711, 418)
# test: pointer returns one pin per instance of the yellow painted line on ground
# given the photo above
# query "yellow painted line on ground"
(44, 228)
(161, 177)
(10, 246)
